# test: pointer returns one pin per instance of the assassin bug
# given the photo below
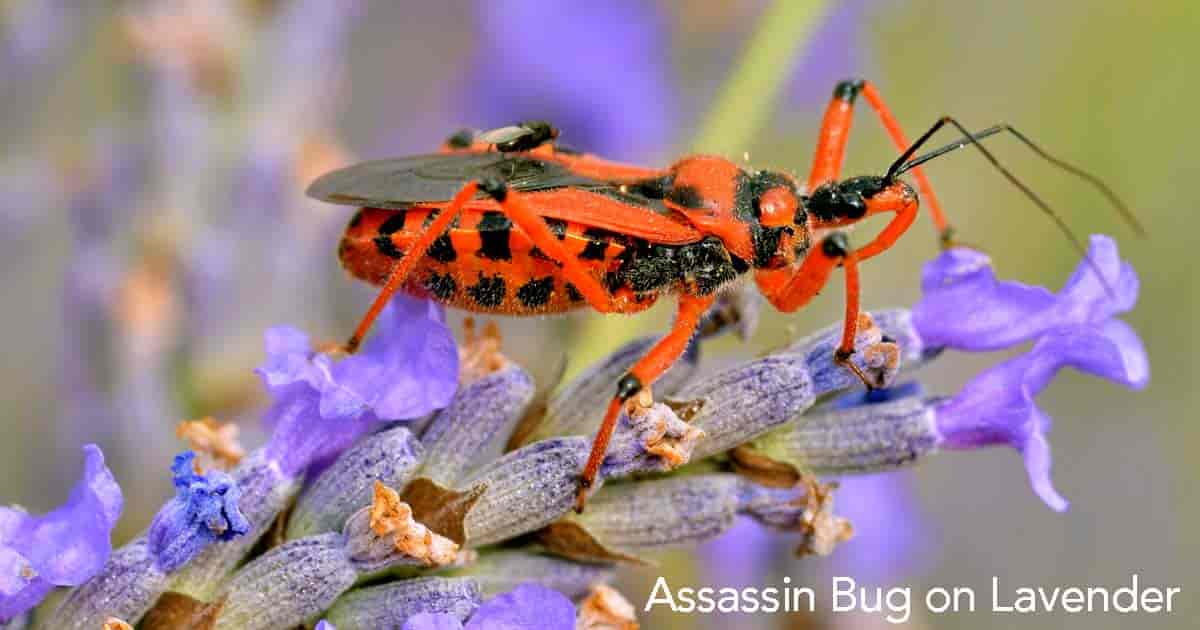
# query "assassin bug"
(508, 222)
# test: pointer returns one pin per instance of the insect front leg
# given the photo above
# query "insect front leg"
(831, 149)
(658, 360)
(789, 290)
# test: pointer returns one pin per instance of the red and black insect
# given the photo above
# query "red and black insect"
(508, 222)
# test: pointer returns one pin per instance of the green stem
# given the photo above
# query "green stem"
(749, 95)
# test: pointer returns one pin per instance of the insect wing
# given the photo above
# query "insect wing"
(433, 178)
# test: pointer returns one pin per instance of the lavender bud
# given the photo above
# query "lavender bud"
(859, 439)
(389, 605)
(391, 456)
(526, 490)
(503, 571)
(287, 585)
(476, 424)
(572, 411)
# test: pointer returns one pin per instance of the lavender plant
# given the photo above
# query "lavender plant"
(416, 485)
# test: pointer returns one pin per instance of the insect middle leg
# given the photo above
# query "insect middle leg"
(524, 218)
(651, 366)
(831, 149)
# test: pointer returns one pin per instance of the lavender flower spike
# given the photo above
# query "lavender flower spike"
(65, 547)
(997, 406)
(965, 307)
(204, 510)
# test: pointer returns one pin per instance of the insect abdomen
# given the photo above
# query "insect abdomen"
(483, 263)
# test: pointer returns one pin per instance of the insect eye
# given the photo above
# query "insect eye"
(777, 207)
(853, 206)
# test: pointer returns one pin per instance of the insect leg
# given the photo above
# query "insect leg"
(540, 235)
(658, 360)
(788, 291)
(405, 265)
(835, 131)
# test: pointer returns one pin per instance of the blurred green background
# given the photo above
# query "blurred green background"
(1107, 85)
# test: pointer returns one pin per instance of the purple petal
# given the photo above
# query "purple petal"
(64, 547)
(324, 625)
(288, 358)
(409, 367)
(432, 621)
(964, 306)
(997, 406)
(529, 606)
(891, 539)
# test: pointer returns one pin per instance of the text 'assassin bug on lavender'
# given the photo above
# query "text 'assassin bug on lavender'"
(507, 222)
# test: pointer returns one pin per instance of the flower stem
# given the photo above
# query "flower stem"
(748, 96)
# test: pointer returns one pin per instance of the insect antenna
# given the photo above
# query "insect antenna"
(906, 162)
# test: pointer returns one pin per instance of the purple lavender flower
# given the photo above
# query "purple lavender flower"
(526, 607)
(997, 406)
(611, 100)
(407, 368)
(963, 306)
(324, 625)
(65, 547)
(205, 510)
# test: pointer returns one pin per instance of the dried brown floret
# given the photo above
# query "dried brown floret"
(823, 529)
(606, 609)
(392, 517)
(660, 430)
(480, 354)
(215, 442)
(112, 623)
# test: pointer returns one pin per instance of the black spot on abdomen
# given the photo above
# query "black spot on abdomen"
(384, 244)
(394, 223)
(494, 232)
(536, 293)
(441, 285)
(488, 292)
(442, 250)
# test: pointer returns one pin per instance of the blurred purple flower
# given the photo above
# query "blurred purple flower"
(407, 369)
(557, 61)
(204, 510)
(324, 625)
(997, 406)
(65, 547)
(965, 307)
(529, 606)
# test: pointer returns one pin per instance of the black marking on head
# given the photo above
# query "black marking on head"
(441, 285)
(558, 228)
(685, 196)
(394, 223)
(489, 292)
(846, 199)
(442, 250)
(848, 90)
(386, 247)
(597, 244)
(494, 232)
(573, 294)
(536, 293)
